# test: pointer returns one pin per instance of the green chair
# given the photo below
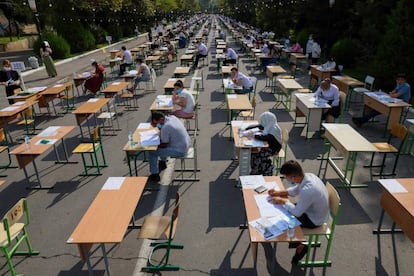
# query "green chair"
(92, 148)
(161, 228)
(326, 230)
(13, 233)
(5, 147)
(190, 155)
(28, 121)
(69, 97)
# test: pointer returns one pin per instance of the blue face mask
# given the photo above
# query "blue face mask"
(159, 125)
(290, 183)
(262, 124)
(179, 91)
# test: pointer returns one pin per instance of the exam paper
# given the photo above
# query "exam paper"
(392, 185)
(252, 181)
(49, 131)
(113, 183)
(144, 126)
(93, 100)
(149, 138)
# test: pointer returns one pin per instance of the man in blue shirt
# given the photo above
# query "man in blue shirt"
(402, 91)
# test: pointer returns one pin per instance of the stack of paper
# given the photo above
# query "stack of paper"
(149, 138)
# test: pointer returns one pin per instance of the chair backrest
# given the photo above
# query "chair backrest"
(17, 91)
(341, 68)
(399, 131)
(285, 137)
(96, 135)
(369, 82)
(334, 199)
(15, 213)
(3, 137)
(254, 102)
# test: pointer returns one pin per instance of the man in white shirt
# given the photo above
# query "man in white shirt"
(202, 52)
(231, 56)
(127, 58)
(241, 79)
(329, 92)
(143, 73)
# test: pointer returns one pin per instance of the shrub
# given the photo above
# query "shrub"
(344, 51)
(60, 47)
(79, 38)
(99, 34)
(302, 38)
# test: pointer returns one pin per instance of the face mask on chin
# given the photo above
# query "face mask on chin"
(159, 125)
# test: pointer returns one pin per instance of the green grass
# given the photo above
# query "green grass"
(6, 39)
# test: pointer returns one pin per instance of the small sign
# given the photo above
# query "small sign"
(18, 66)
(108, 38)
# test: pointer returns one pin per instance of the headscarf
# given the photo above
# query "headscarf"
(269, 122)
(46, 44)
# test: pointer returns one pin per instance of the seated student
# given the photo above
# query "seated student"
(171, 51)
(330, 93)
(184, 99)
(143, 73)
(401, 91)
(175, 142)
(127, 58)
(202, 52)
(241, 79)
(312, 208)
(10, 79)
(93, 84)
(296, 48)
(332, 65)
(231, 56)
(261, 162)
(271, 57)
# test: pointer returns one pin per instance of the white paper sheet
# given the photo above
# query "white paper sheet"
(236, 123)
(46, 142)
(149, 138)
(251, 181)
(231, 96)
(58, 85)
(49, 131)
(113, 183)
(93, 100)
(393, 186)
(10, 108)
(268, 209)
(144, 126)
(116, 83)
(266, 228)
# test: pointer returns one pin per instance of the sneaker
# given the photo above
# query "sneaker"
(154, 177)
(299, 256)
(162, 165)
(357, 121)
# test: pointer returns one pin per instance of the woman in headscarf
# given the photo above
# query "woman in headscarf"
(45, 53)
(261, 162)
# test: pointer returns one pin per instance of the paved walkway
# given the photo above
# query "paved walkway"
(212, 209)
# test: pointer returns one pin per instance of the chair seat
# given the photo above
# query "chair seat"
(385, 147)
(24, 122)
(86, 148)
(324, 229)
(15, 230)
(360, 89)
(127, 95)
(106, 115)
(154, 227)
(3, 148)
(304, 90)
(246, 113)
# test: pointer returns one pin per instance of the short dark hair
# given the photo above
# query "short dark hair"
(179, 83)
(291, 168)
(156, 116)
(138, 60)
(234, 68)
(401, 76)
(123, 48)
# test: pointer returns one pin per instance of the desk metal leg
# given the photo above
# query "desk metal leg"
(87, 260)
(66, 161)
(39, 184)
(105, 257)
(379, 230)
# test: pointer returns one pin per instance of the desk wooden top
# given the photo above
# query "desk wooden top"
(235, 126)
(15, 108)
(182, 70)
(153, 58)
(289, 84)
(400, 206)
(346, 139)
(238, 102)
(36, 145)
(384, 99)
(308, 100)
(28, 93)
(91, 106)
(137, 141)
(298, 55)
(347, 80)
(171, 81)
(54, 90)
(156, 107)
(110, 213)
(253, 213)
(116, 87)
(274, 70)
(186, 57)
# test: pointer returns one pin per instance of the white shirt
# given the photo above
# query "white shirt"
(202, 49)
(127, 57)
(309, 46)
(245, 81)
(231, 53)
(316, 50)
(332, 94)
(190, 102)
(313, 199)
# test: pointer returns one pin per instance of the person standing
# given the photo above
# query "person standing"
(127, 58)
(175, 142)
(10, 79)
(312, 207)
(93, 84)
(316, 52)
(309, 45)
(46, 54)
(184, 100)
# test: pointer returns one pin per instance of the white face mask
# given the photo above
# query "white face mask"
(7, 68)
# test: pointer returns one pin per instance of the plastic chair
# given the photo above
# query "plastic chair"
(161, 228)
(5, 147)
(368, 85)
(13, 233)
(28, 120)
(398, 131)
(190, 155)
(92, 149)
(280, 158)
(326, 230)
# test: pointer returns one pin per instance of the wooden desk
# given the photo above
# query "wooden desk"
(230, 87)
(295, 57)
(11, 112)
(150, 59)
(349, 143)
(54, 92)
(108, 217)
(181, 71)
(400, 207)
(169, 85)
(288, 86)
(312, 111)
(271, 73)
(114, 53)
(186, 60)
(159, 104)
(91, 107)
(134, 150)
(30, 94)
(226, 71)
(220, 58)
(114, 62)
(253, 213)
(318, 73)
(38, 146)
(114, 88)
(237, 103)
(386, 105)
(346, 84)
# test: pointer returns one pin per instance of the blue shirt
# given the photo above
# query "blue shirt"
(405, 91)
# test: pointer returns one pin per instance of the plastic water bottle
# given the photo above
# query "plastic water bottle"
(316, 99)
(27, 142)
(291, 227)
(130, 139)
